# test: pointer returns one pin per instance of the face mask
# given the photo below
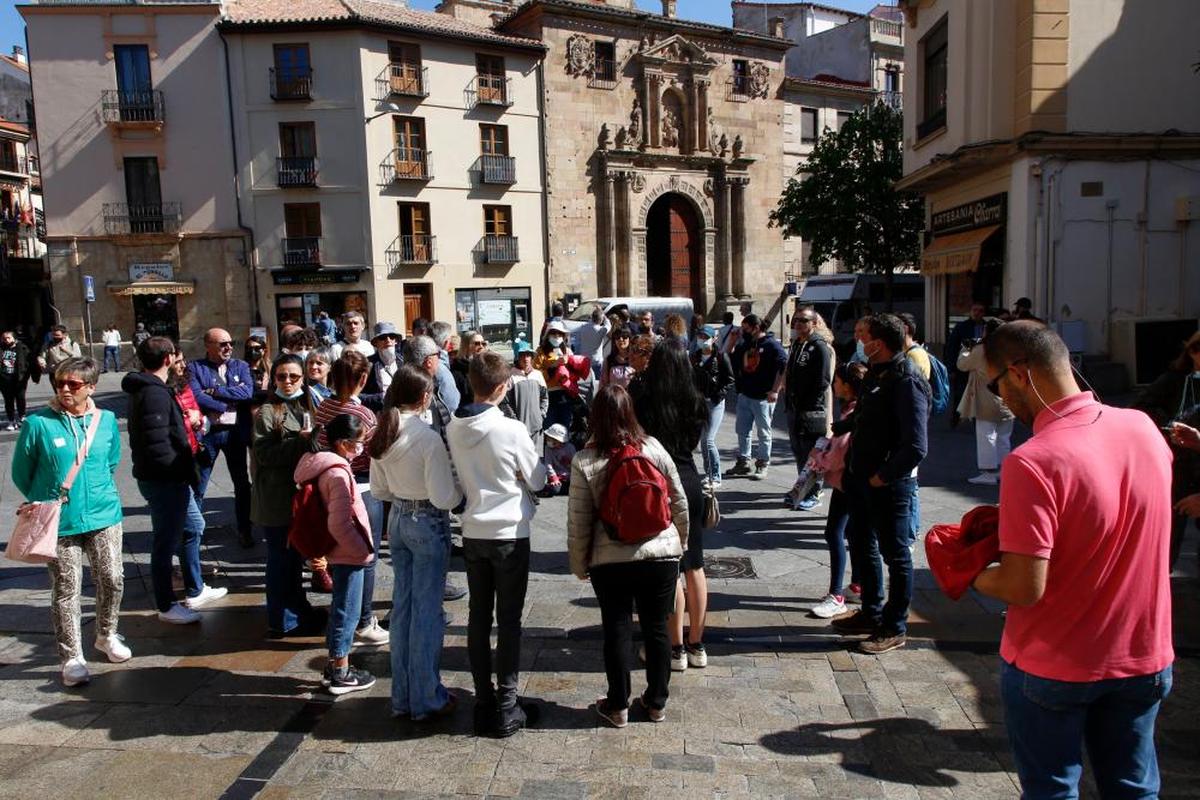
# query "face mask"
(294, 396)
(795, 334)
(387, 354)
(859, 351)
(356, 449)
(706, 346)
(302, 353)
(556, 341)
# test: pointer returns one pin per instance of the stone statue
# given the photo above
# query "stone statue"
(635, 121)
(605, 137)
(714, 134)
(621, 137)
(723, 146)
(738, 146)
(670, 129)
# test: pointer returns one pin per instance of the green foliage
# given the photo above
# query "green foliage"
(843, 202)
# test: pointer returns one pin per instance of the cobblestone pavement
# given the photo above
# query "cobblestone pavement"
(783, 709)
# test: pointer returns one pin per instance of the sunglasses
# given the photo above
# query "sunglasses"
(289, 377)
(73, 385)
(993, 385)
(224, 344)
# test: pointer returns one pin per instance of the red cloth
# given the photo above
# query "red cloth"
(568, 372)
(958, 553)
(187, 402)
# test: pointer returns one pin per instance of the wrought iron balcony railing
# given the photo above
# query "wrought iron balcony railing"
(134, 218)
(407, 80)
(737, 89)
(500, 249)
(498, 169)
(291, 84)
(20, 246)
(405, 164)
(893, 100)
(302, 251)
(296, 171)
(604, 74)
(411, 249)
(117, 106)
(489, 90)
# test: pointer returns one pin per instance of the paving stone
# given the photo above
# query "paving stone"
(683, 762)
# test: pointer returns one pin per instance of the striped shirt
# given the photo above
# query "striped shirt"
(333, 407)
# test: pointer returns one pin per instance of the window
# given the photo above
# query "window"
(302, 234)
(133, 68)
(604, 73)
(493, 140)
(8, 157)
(891, 79)
(490, 79)
(933, 99)
(497, 220)
(415, 245)
(808, 125)
(292, 72)
(842, 118)
(406, 75)
(741, 78)
(297, 139)
(144, 195)
(411, 159)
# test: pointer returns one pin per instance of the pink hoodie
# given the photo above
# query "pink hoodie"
(348, 521)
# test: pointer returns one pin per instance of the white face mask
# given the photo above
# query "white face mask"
(555, 341)
(387, 354)
(706, 346)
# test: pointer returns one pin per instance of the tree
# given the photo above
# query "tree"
(844, 202)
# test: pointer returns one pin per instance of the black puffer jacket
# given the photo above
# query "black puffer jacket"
(713, 377)
(889, 422)
(158, 439)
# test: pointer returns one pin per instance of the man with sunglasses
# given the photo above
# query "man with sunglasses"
(1085, 525)
(223, 387)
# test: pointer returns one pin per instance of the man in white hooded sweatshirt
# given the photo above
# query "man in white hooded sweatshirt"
(498, 469)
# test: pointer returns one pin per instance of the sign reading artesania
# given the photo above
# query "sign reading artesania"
(151, 271)
(977, 214)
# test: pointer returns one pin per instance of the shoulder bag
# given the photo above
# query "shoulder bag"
(35, 539)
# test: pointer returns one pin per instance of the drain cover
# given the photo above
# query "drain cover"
(731, 567)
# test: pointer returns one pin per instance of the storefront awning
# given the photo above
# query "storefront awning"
(152, 287)
(952, 253)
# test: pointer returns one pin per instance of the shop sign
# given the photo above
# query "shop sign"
(157, 271)
(977, 214)
(293, 278)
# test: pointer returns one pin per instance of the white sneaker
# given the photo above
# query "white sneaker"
(75, 672)
(207, 595)
(679, 660)
(114, 647)
(697, 656)
(830, 607)
(179, 614)
(372, 634)
(985, 479)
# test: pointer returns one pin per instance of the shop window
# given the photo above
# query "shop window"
(501, 316)
(159, 313)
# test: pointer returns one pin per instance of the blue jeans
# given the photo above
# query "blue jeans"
(375, 516)
(420, 546)
(178, 525)
(287, 604)
(755, 414)
(112, 354)
(881, 524)
(835, 538)
(1049, 721)
(915, 514)
(343, 608)
(226, 439)
(712, 456)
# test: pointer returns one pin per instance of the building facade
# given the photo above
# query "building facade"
(25, 303)
(1040, 183)
(662, 155)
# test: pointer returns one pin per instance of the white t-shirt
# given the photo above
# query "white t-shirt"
(362, 346)
(112, 338)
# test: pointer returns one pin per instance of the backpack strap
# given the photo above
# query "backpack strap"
(81, 456)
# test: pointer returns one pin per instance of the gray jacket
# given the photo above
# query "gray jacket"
(588, 544)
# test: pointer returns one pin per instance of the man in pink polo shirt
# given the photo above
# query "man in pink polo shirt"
(1085, 526)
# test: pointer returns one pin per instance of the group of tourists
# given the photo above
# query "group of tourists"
(385, 442)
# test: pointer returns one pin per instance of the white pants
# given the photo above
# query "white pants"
(992, 443)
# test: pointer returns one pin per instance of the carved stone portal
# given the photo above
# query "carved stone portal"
(581, 55)
(760, 79)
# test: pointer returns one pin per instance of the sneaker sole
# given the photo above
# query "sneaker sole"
(888, 649)
(113, 659)
(72, 684)
(828, 614)
(652, 715)
(364, 643)
(337, 691)
(677, 668)
(193, 605)
(179, 621)
(612, 722)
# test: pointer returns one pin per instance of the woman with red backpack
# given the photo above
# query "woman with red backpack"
(621, 481)
(350, 530)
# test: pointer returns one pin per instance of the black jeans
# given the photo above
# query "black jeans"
(881, 525)
(651, 585)
(497, 577)
(14, 394)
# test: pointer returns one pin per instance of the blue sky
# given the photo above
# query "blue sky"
(12, 28)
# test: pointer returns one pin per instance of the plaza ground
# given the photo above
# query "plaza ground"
(784, 708)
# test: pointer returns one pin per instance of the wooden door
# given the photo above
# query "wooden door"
(418, 303)
(490, 78)
(414, 231)
(410, 146)
(685, 249)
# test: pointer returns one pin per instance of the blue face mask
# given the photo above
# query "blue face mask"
(859, 351)
(294, 396)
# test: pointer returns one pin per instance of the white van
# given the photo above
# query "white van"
(660, 307)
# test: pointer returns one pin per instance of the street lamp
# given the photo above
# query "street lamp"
(389, 108)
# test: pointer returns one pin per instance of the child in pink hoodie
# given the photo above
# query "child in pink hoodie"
(351, 530)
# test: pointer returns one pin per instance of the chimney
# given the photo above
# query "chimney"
(18, 54)
(669, 8)
(777, 28)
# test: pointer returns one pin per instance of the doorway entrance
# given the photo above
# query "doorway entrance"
(673, 248)
(418, 304)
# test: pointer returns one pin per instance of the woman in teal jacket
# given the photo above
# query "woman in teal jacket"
(90, 523)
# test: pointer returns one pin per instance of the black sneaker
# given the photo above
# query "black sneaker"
(348, 679)
(522, 715)
(741, 467)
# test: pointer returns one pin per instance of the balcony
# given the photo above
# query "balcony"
(302, 251)
(125, 219)
(17, 165)
(410, 250)
(140, 109)
(489, 90)
(604, 74)
(893, 100)
(405, 80)
(18, 246)
(291, 84)
(500, 249)
(498, 169)
(296, 172)
(405, 164)
(887, 31)
(737, 89)
(932, 124)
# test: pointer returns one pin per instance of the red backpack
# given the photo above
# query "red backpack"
(308, 534)
(636, 505)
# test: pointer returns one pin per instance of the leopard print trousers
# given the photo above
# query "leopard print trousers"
(103, 549)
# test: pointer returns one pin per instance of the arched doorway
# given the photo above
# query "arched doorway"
(673, 248)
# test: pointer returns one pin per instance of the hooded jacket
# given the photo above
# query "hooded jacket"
(158, 438)
(47, 447)
(415, 467)
(498, 469)
(348, 522)
(278, 447)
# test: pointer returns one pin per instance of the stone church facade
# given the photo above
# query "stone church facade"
(663, 157)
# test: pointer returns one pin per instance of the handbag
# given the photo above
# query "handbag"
(712, 509)
(35, 538)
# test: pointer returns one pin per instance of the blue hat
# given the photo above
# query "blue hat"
(522, 347)
(709, 332)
